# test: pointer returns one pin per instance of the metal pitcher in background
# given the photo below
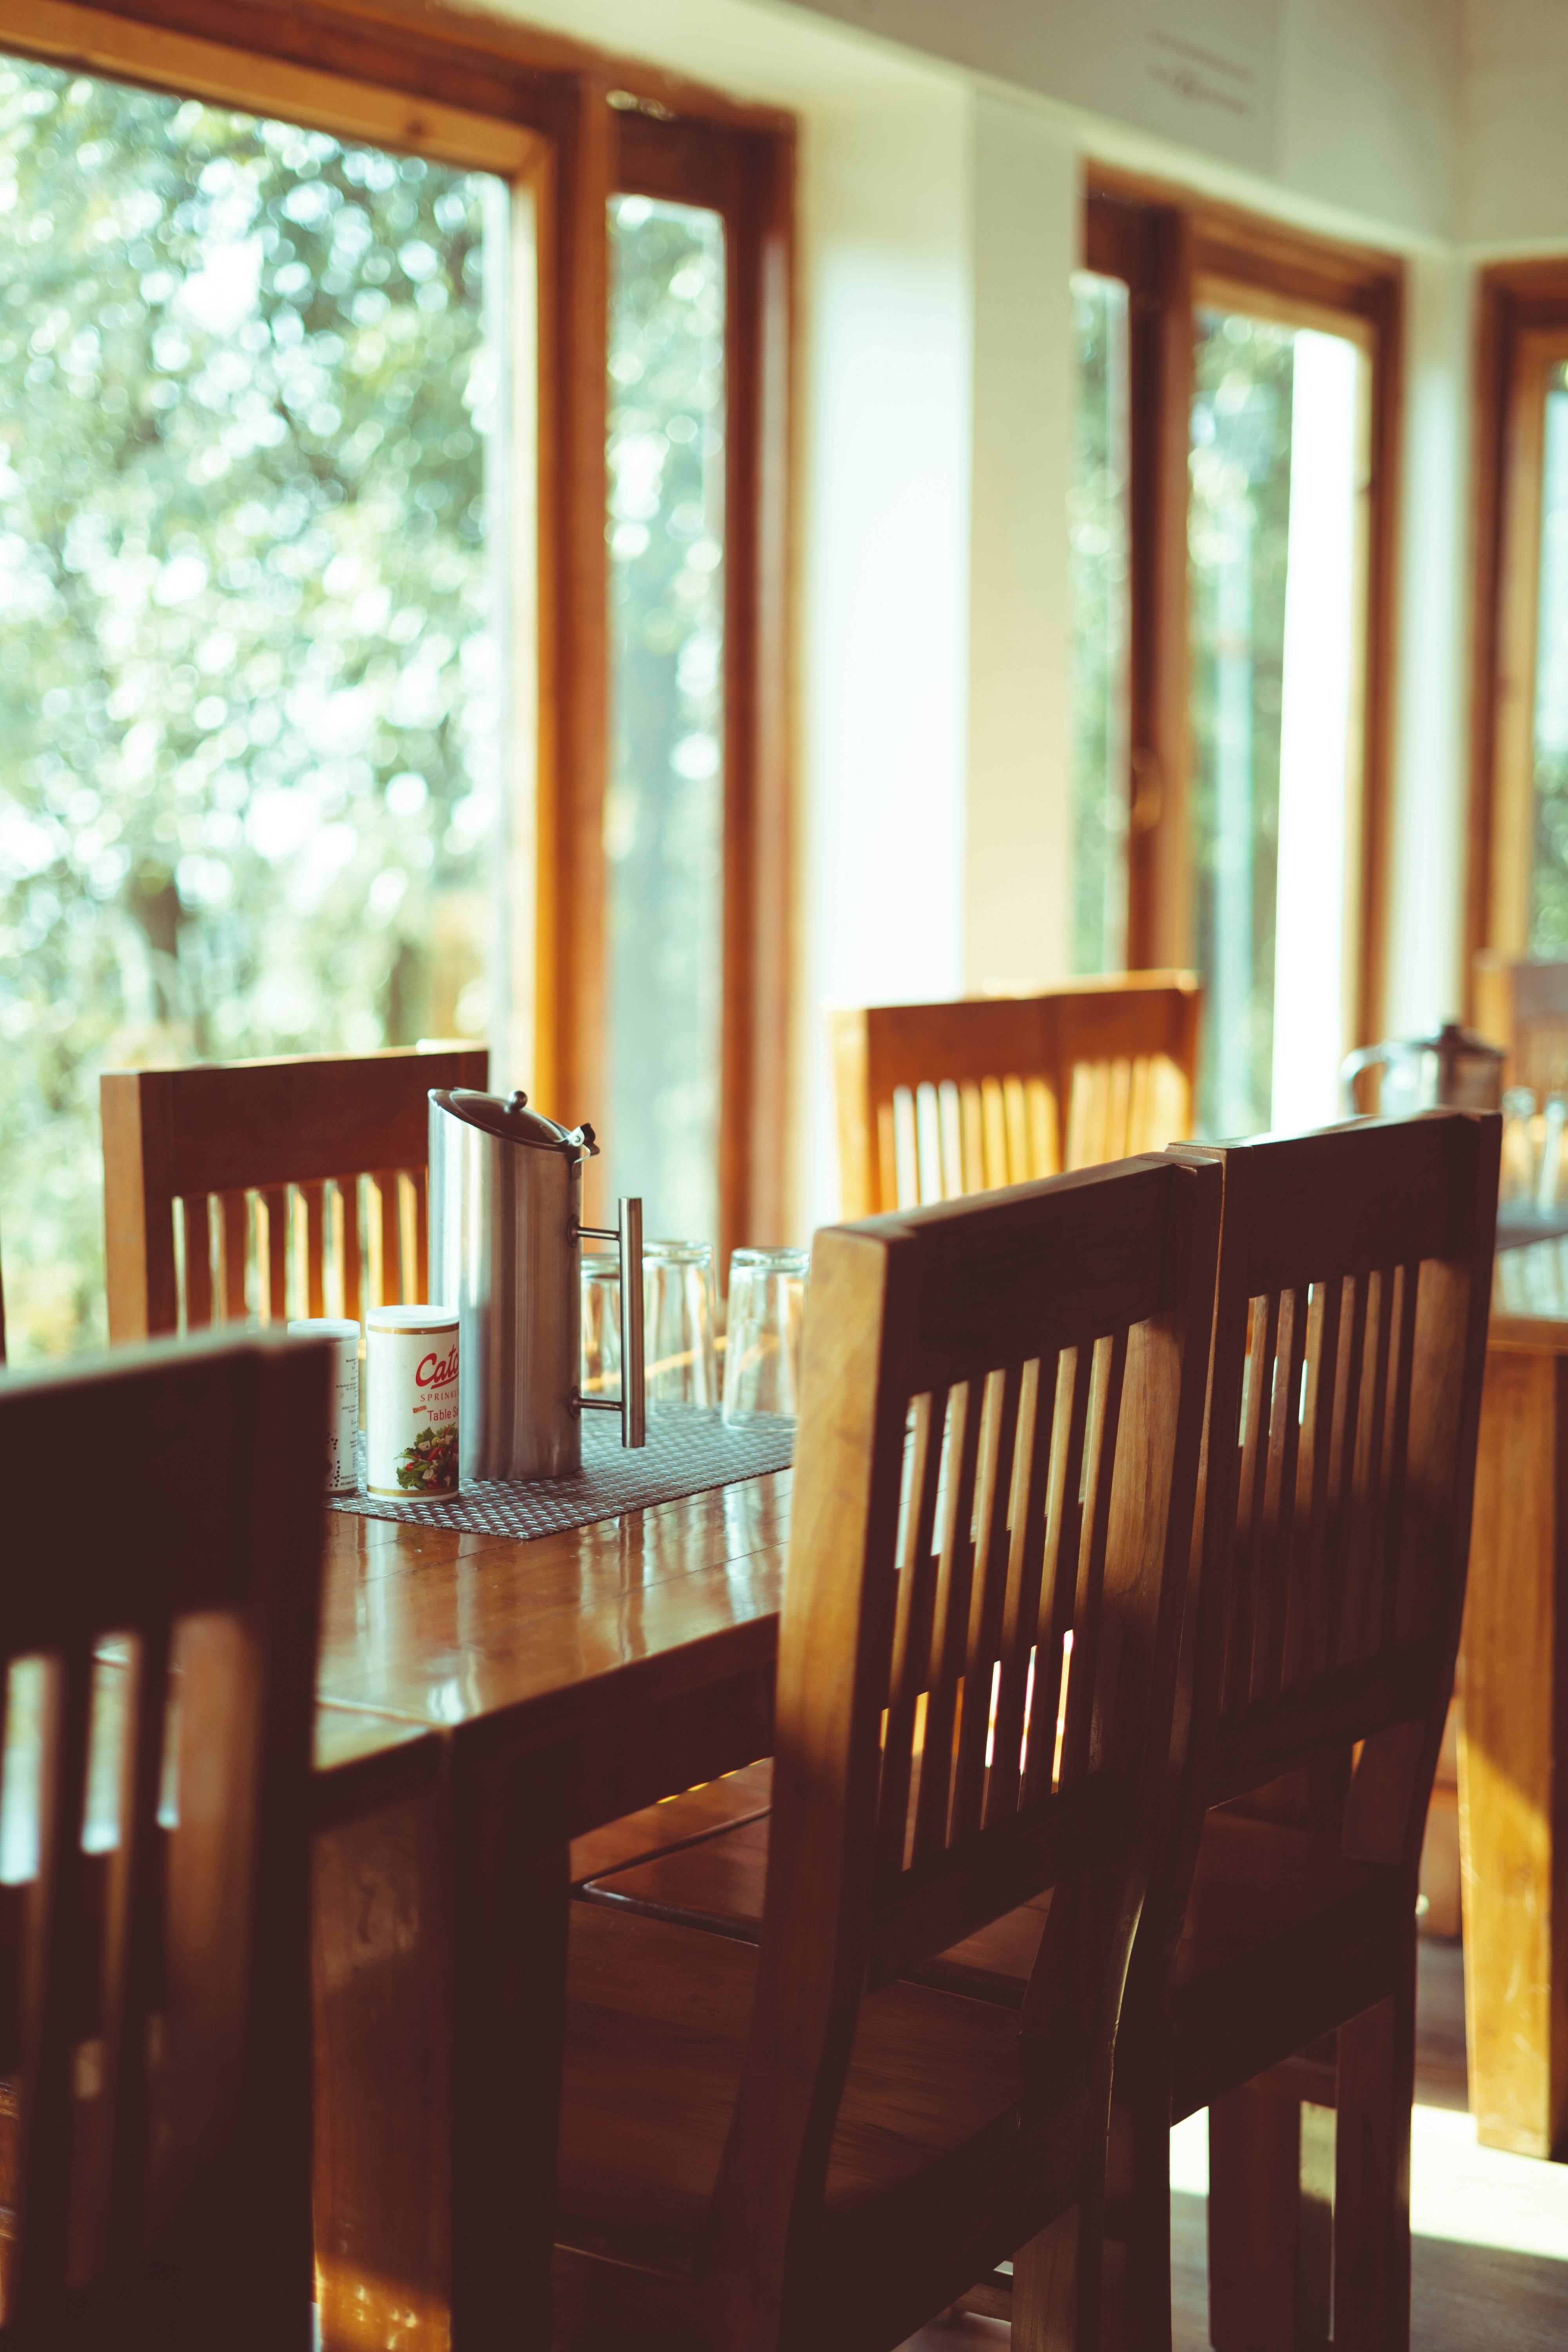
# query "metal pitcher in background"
(1450, 1069)
(506, 1236)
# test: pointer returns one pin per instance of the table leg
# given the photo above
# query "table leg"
(509, 1991)
(440, 1964)
(1513, 1803)
(382, 1946)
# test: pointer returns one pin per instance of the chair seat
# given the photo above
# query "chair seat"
(715, 1882)
(656, 2023)
(1282, 1932)
(675, 1822)
(1285, 1938)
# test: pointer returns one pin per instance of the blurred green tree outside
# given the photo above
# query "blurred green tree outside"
(1549, 872)
(664, 812)
(1238, 541)
(248, 689)
(1098, 583)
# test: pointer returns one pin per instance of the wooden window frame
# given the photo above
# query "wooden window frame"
(1165, 245)
(1521, 329)
(569, 126)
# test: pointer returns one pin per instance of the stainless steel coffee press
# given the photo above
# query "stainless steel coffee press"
(506, 1236)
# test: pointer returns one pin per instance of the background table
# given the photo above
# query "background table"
(1513, 1758)
(483, 1701)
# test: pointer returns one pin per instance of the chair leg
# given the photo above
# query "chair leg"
(1255, 2198)
(1372, 2174)
(1044, 2288)
(1134, 2272)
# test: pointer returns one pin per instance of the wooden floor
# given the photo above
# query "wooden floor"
(1491, 2257)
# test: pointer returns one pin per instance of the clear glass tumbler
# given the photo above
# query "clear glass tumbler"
(678, 1323)
(762, 1350)
(1519, 1176)
(601, 1351)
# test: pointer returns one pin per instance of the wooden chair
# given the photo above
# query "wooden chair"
(1276, 1958)
(784, 2145)
(157, 1673)
(1277, 1961)
(278, 1147)
(1522, 1006)
(939, 1100)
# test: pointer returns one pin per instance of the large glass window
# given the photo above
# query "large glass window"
(248, 740)
(1276, 559)
(1099, 584)
(663, 810)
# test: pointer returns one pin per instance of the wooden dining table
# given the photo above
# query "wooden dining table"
(1513, 1754)
(483, 1702)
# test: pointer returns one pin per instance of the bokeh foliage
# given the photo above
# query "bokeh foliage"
(1238, 535)
(247, 691)
(1549, 874)
(1098, 583)
(664, 818)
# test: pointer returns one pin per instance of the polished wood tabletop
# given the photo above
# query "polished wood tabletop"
(481, 1702)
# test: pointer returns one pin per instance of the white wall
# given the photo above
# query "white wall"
(887, 314)
(1515, 186)
(1355, 103)
(1024, 237)
(1431, 782)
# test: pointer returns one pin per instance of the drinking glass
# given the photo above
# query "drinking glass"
(1518, 1176)
(761, 1352)
(600, 1374)
(1549, 1183)
(678, 1323)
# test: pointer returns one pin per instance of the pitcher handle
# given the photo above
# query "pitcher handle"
(634, 1396)
(1368, 1059)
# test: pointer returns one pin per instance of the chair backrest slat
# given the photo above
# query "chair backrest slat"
(955, 1574)
(983, 1653)
(159, 2026)
(283, 1148)
(132, 1944)
(235, 1209)
(1000, 1414)
(275, 1204)
(939, 1100)
(1088, 1605)
(1021, 1642)
(1344, 1406)
(314, 1196)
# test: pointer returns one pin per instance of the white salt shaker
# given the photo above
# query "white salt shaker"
(343, 1420)
(411, 1402)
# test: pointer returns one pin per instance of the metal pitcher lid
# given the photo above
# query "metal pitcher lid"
(509, 1116)
(1454, 1044)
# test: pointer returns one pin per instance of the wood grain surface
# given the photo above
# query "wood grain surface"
(1513, 1833)
(483, 1702)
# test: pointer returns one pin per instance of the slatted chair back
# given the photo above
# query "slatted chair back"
(1521, 1004)
(1349, 1351)
(287, 1187)
(936, 1101)
(157, 1668)
(995, 1486)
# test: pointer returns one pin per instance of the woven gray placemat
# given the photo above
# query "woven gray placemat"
(688, 1449)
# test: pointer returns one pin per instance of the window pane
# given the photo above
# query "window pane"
(248, 697)
(1276, 564)
(1097, 506)
(664, 813)
(1549, 879)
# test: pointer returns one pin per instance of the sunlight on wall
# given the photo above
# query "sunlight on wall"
(1322, 626)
